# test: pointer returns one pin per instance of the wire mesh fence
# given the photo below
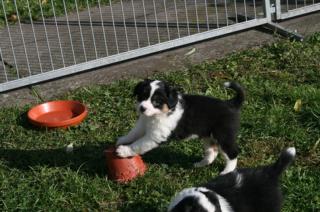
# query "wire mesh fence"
(291, 8)
(288, 5)
(43, 37)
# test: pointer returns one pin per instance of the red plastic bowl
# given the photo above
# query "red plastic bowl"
(123, 170)
(61, 114)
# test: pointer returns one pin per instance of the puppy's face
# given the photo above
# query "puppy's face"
(155, 97)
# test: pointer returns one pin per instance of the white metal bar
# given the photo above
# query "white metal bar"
(92, 31)
(146, 21)
(197, 16)
(278, 9)
(236, 10)
(81, 34)
(207, 14)
(4, 65)
(131, 54)
(156, 19)
(267, 10)
(226, 11)
(167, 22)
(125, 25)
(103, 28)
(177, 17)
(245, 9)
(70, 37)
(58, 33)
(135, 23)
(10, 39)
(114, 27)
(46, 35)
(187, 16)
(22, 36)
(217, 14)
(34, 36)
(254, 8)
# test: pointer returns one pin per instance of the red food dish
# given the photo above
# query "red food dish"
(58, 114)
(123, 169)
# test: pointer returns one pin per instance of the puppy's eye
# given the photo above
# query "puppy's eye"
(156, 103)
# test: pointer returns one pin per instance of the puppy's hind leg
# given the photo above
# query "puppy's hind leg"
(230, 153)
(231, 164)
(210, 154)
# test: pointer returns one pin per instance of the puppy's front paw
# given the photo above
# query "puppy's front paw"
(125, 151)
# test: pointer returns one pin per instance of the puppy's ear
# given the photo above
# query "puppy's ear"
(138, 88)
(172, 95)
(177, 87)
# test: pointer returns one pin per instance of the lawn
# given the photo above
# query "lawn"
(36, 173)
(32, 8)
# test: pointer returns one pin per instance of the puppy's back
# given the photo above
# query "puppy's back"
(254, 189)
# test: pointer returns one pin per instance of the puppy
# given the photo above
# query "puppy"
(166, 113)
(243, 190)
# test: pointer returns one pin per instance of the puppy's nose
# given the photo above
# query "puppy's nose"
(142, 109)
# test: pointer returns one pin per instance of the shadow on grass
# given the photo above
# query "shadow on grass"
(23, 121)
(171, 157)
(86, 159)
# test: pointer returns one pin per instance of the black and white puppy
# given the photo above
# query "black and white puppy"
(243, 190)
(166, 113)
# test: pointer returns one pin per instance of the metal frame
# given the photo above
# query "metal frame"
(131, 53)
(295, 12)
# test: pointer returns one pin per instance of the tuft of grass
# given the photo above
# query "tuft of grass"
(36, 173)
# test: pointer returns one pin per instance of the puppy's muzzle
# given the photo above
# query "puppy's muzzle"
(142, 109)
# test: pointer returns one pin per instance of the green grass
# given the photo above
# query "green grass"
(35, 7)
(37, 174)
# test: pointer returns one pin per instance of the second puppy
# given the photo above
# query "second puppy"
(165, 113)
(243, 190)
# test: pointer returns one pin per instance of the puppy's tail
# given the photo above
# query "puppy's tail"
(238, 100)
(285, 159)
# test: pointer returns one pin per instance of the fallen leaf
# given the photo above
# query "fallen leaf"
(13, 18)
(298, 105)
(190, 52)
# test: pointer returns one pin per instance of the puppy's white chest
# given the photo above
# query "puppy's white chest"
(160, 127)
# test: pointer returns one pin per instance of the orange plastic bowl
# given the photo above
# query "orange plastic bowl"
(58, 114)
(123, 170)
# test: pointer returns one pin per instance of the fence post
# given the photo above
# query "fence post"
(267, 10)
(278, 9)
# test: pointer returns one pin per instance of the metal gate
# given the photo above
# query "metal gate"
(42, 40)
(291, 8)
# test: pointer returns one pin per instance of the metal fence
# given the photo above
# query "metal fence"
(46, 39)
(291, 8)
